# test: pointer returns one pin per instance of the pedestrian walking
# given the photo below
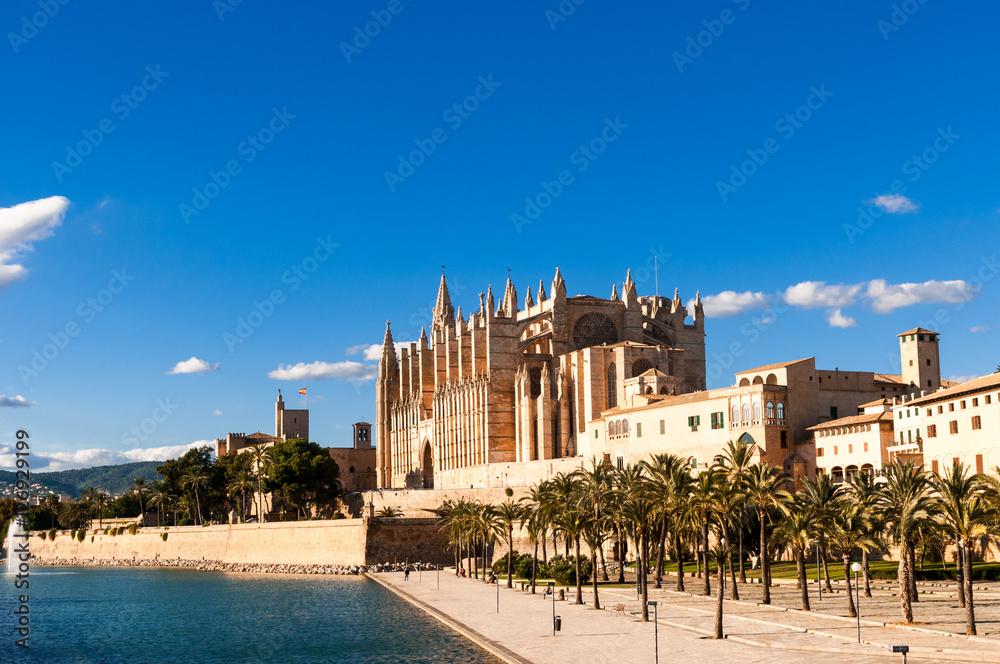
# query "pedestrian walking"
(406, 573)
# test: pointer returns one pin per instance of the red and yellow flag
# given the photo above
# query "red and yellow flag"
(302, 391)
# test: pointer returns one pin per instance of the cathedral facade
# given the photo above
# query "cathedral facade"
(518, 382)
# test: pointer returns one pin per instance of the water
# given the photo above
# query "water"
(15, 532)
(136, 615)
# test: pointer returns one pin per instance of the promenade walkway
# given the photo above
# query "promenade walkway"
(522, 630)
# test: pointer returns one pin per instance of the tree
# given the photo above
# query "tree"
(639, 510)
(195, 479)
(737, 459)
(160, 496)
(822, 495)
(596, 486)
(702, 497)
(726, 500)
(241, 484)
(303, 473)
(964, 512)
(848, 531)
(509, 514)
(574, 520)
(52, 505)
(764, 489)
(95, 500)
(863, 492)
(908, 504)
(796, 530)
(140, 489)
(261, 456)
(722, 553)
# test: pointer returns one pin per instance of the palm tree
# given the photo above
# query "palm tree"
(679, 507)
(722, 553)
(964, 512)
(864, 493)
(260, 456)
(639, 510)
(821, 495)
(95, 500)
(737, 459)
(764, 488)
(702, 496)
(52, 506)
(849, 530)
(574, 520)
(240, 484)
(661, 469)
(908, 504)
(726, 500)
(159, 496)
(509, 514)
(140, 488)
(797, 529)
(595, 487)
(195, 479)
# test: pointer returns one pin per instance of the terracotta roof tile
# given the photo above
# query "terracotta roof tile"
(779, 365)
(975, 385)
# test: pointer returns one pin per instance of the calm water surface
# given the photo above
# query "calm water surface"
(166, 616)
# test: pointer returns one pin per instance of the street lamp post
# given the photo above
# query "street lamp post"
(819, 583)
(656, 632)
(856, 567)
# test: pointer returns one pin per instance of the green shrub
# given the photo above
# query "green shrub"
(52, 534)
(564, 569)
(133, 528)
(184, 522)
(522, 568)
(91, 539)
(42, 535)
(72, 534)
(338, 515)
(500, 564)
(163, 536)
(81, 534)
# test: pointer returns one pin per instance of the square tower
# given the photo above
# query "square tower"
(362, 436)
(918, 353)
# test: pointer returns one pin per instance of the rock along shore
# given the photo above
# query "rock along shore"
(219, 566)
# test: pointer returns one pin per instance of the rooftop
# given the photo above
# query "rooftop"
(779, 365)
(854, 419)
(975, 385)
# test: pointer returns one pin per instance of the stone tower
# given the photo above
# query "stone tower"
(289, 424)
(918, 353)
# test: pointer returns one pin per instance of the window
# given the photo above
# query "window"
(611, 429)
(866, 447)
(663, 427)
(977, 423)
(850, 448)
(988, 400)
(784, 439)
(951, 407)
(900, 415)
(694, 421)
(618, 427)
(909, 436)
(928, 363)
(612, 386)
(833, 412)
(940, 409)
(736, 414)
(953, 426)
(756, 410)
(638, 429)
(975, 402)
(962, 404)
(819, 451)
(596, 434)
(620, 463)
(834, 450)
(979, 464)
(770, 410)
(746, 412)
(934, 466)
(781, 411)
(718, 420)
(928, 382)
(932, 431)
(911, 363)
(625, 426)
(929, 413)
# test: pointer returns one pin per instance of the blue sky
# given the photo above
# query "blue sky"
(825, 175)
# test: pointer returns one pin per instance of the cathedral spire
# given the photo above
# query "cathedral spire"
(677, 299)
(697, 299)
(489, 299)
(614, 292)
(388, 359)
(510, 298)
(423, 337)
(444, 313)
(458, 316)
(541, 291)
(628, 291)
(558, 285)
(528, 302)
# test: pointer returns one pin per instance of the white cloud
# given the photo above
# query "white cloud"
(217, 412)
(837, 319)
(370, 352)
(963, 379)
(730, 303)
(355, 372)
(812, 294)
(15, 402)
(193, 365)
(980, 328)
(23, 225)
(96, 457)
(894, 203)
(885, 298)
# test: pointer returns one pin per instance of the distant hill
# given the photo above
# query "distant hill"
(114, 479)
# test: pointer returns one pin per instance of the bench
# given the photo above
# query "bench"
(620, 608)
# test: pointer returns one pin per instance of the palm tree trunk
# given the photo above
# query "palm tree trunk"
(579, 581)
(970, 611)
(621, 555)
(593, 577)
(864, 570)
(718, 605)
(534, 568)
(913, 572)
(604, 565)
(680, 560)
(197, 501)
(903, 578)
(697, 556)
(960, 576)
(642, 576)
(743, 571)
(545, 556)
(661, 552)
(847, 580)
(510, 556)
(826, 570)
(800, 568)
(765, 560)
(704, 534)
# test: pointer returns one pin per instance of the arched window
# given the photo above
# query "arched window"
(781, 411)
(625, 426)
(611, 428)
(618, 427)
(736, 414)
(770, 410)
(756, 410)
(663, 390)
(746, 412)
(649, 390)
(641, 366)
(352, 469)
(612, 386)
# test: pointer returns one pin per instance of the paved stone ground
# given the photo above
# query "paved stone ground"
(521, 632)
